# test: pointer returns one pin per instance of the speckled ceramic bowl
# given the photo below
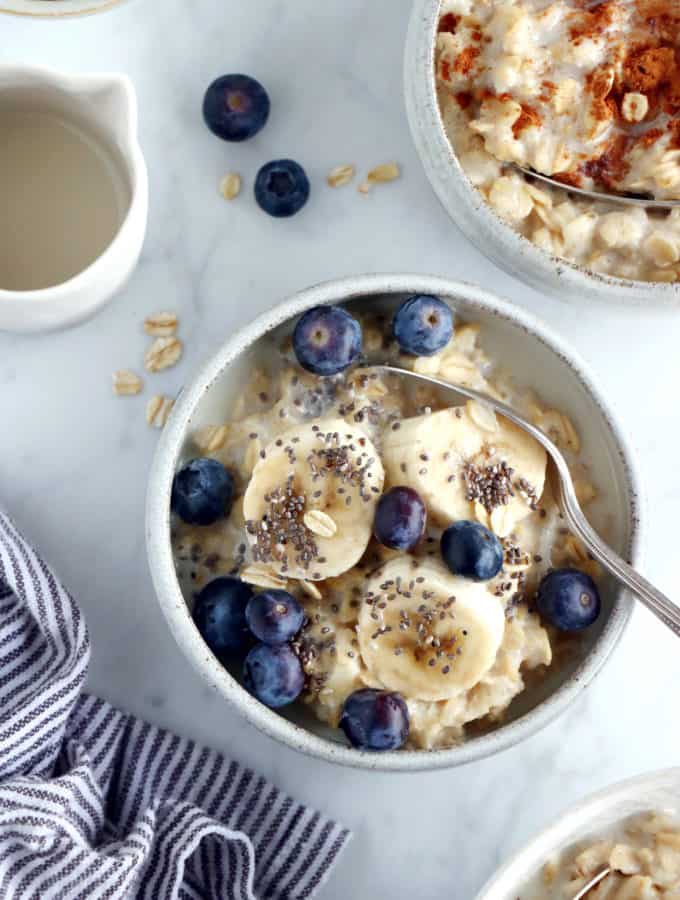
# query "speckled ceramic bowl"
(56, 9)
(592, 817)
(536, 357)
(469, 210)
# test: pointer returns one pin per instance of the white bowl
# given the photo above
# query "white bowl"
(537, 357)
(56, 9)
(468, 208)
(592, 817)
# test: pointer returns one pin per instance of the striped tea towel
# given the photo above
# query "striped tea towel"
(95, 804)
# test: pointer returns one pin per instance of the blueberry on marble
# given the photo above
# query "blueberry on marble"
(375, 720)
(273, 674)
(281, 188)
(202, 492)
(220, 615)
(471, 550)
(400, 518)
(274, 616)
(235, 107)
(423, 325)
(327, 340)
(568, 599)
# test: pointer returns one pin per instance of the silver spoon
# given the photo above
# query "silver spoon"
(652, 598)
(625, 200)
(597, 878)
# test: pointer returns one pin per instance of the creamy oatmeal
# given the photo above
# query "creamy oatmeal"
(586, 92)
(311, 458)
(643, 854)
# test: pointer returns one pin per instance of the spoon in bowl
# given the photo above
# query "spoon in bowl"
(652, 598)
(597, 878)
(623, 199)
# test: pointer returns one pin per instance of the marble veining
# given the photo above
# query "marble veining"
(74, 458)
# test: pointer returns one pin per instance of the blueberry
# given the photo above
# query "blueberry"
(471, 550)
(400, 518)
(273, 674)
(281, 188)
(375, 720)
(274, 617)
(568, 599)
(220, 615)
(327, 340)
(235, 107)
(202, 492)
(423, 325)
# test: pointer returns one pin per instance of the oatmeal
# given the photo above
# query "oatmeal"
(585, 92)
(643, 854)
(312, 460)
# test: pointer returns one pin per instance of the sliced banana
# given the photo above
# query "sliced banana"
(425, 632)
(310, 502)
(431, 454)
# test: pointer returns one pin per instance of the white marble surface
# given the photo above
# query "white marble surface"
(74, 459)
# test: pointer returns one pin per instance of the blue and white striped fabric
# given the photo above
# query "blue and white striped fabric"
(96, 804)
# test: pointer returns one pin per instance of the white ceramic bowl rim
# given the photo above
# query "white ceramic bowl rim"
(58, 9)
(170, 595)
(461, 199)
(612, 802)
(132, 153)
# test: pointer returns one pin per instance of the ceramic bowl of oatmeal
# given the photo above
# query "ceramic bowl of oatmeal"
(586, 93)
(631, 828)
(423, 632)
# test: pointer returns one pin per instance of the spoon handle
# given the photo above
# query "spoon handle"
(663, 608)
(600, 876)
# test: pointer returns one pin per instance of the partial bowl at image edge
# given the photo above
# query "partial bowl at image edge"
(588, 818)
(470, 211)
(57, 9)
(472, 299)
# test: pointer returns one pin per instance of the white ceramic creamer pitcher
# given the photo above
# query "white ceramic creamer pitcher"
(100, 113)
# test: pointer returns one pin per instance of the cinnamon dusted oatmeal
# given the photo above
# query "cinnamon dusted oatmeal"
(586, 92)
(312, 457)
(643, 853)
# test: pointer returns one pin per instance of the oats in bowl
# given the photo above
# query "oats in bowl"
(588, 93)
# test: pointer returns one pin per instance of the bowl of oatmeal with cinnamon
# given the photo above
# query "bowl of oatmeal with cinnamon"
(587, 93)
(361, 568)
(629, 833)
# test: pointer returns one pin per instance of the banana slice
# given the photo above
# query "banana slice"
(310, 502)
(457, 453)
(427, 633)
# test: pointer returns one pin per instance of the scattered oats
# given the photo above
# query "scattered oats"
(211, 438)
(162, 324)
(364, 187)
(261, 576)
(340, 176)
(386, 172)
(230, 186)
(158, 409)
(126, 383)
(483, 416)
(311, 589)
(320, 523)
(162, 354)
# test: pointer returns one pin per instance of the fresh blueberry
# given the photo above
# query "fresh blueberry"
(568, 599)
(375, 720)
(326, 340)
(281, 188)
(423, 325)
(202, 492)
(471, 550)
(235, 107)
(220, 615)
(400, 518)
(274, 617)
(273, 674)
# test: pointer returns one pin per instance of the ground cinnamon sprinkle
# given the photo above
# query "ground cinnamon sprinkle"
(466, 60)
(448, 23)
(611, 167)
(593, 22)
(463, 99)
(571, 178)
(649, 137)
(445, 70)
(674, 128)
(646, 69)
(528, 117)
